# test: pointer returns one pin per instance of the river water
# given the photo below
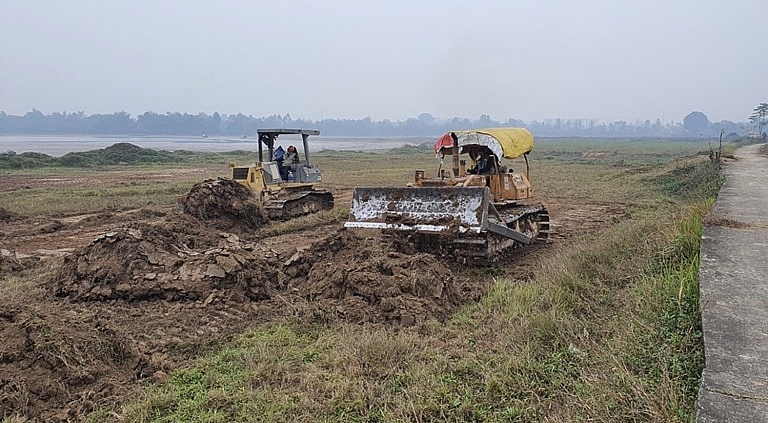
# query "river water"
(58, 145)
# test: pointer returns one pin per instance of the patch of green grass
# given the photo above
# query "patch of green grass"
(68, 200)
(650, 361)
(616, 152)
(122, 154)
(685, 181)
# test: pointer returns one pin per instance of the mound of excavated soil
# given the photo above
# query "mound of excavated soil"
(365, 281)
(145, 262)
(225, 204)
(7, 215)
(359, 279)
(44, 358)
(11, 263)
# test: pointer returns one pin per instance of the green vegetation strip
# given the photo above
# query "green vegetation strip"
(608, 330)
(117, 154)
(46, 201)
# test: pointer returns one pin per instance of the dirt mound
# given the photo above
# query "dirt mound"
(225, 204)
(12, 263)
(50, 227)
(123, 148)
(359, 279)
(181, 259)
(151, 262)
(7, 215)
(364, 280)
(190, 232)
(53, 370)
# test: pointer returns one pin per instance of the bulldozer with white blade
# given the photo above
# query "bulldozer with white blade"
(477, 210)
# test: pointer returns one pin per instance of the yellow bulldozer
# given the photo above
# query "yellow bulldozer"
(476, 210)
(284, 183)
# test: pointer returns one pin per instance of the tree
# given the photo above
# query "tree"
(485, 120)
(759, 115)
(696, 123)
(427, 118)
(214, 124)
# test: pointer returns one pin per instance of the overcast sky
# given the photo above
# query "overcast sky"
(531, 60)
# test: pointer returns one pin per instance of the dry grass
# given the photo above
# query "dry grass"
(353, 169)
(763, 149)
(63, 201)
(23, 285)
(322, 218)
(716, 218)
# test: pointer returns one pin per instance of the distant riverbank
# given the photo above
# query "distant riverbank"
(58, 145)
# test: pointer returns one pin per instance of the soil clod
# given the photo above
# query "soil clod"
(151, 262)
(7, 215)
(225, 204)
(363, 280)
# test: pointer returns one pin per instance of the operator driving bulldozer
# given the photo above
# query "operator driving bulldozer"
(286, 188)
(474, 213)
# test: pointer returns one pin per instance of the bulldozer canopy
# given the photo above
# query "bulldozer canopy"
(504, 142)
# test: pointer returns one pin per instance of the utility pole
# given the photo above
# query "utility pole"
(720, 149)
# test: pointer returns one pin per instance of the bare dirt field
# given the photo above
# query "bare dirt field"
(130, 295)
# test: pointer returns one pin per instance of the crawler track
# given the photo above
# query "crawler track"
(300, 204)
(483, 249)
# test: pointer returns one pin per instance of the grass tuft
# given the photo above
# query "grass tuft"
(693, 179)
(321, 218)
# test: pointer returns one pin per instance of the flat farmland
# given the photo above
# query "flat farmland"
(112, 311)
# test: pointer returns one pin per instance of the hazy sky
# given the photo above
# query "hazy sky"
(607, 60)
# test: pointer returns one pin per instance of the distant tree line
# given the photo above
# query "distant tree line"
(174, 123)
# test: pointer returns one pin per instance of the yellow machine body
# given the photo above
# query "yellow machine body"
(281, 198)
(486, 208)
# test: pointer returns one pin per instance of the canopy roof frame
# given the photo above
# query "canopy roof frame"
(508, 143)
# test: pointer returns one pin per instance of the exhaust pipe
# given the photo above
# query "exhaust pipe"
(455, 154)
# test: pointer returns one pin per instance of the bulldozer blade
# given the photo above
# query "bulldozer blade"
(427, 209)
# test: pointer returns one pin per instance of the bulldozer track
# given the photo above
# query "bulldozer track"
(482, 250)
(533, 222)
(306, 203)
(540, 219)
